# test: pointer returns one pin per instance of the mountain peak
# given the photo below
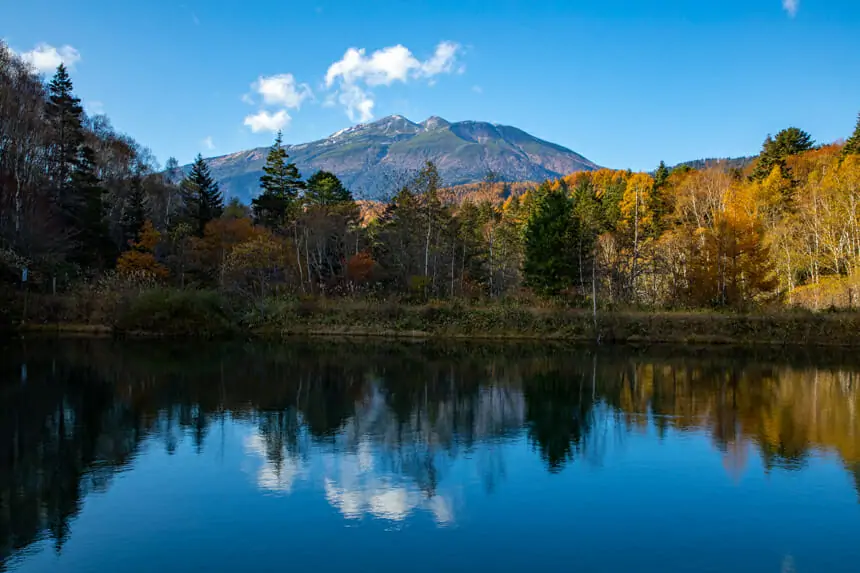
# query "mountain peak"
(435, 122)
(368, 157)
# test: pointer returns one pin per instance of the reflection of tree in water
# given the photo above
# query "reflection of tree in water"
(559, 415)
(86, 407)
(54, 450)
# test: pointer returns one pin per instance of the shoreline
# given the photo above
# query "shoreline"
(511, 325)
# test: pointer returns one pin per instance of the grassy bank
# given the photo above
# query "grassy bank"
(209, 314)
(498, 322)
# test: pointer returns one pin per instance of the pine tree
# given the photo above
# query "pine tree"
(325, 189)
(202, 198)
(281, 183)
(774, 152)
(550, 233)
(134, 215)
(65, 116)
(656, 203)
(87, 212)
(852, 146)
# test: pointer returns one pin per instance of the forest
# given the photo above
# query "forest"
(91, 224)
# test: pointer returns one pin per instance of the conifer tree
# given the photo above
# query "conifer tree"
(325, 189)
(65, 116)
(135, 214)
(280, 184)
(774, 151)
(550, 232)
(202, 197)
(852, 146)
(656, 203)
(87, 212)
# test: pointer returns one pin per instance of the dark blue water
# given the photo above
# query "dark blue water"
(313, 456)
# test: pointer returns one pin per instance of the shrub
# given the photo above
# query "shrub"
(178, 312)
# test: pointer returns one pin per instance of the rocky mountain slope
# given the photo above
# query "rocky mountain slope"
(374, 159)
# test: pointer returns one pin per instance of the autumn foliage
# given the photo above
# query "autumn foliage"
(140, 259)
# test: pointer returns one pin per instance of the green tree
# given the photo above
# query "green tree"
(280, 184)
(657, 201)
(852, 146)
(473, 246)
(587, 215)
(135, 212)
(88, 213)
(201, 196)
(550, 233)
(775, 150)
(325, 189)
(65, 118)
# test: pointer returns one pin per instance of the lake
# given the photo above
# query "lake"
(335, 455)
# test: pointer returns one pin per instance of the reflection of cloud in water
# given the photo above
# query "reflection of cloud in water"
(271, 477)
(356, 488)
(388, 466)
(353, 483)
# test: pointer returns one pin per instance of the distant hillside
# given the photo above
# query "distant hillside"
(374, 159)
(726, 163)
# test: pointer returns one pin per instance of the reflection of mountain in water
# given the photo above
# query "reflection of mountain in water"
(383, 425)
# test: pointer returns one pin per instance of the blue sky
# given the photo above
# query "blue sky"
(624, 82)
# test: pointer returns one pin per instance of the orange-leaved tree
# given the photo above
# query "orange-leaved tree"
(140, 259)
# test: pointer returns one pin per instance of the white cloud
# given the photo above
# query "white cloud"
(282, 90)
(208, 143)
(358, 103)
(383, 67)
(45, 57)
(442, 61)
(791, 6)
(478, 89)
(265, 121)
(353, 74)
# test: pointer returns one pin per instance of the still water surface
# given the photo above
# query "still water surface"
(332, 456)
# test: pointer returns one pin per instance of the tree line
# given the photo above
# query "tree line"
(83, 203)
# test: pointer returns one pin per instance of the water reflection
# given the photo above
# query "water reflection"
(379, 429)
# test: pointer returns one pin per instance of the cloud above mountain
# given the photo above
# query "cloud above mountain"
(353, 76)
(349, 82)
(267, 121)
(282, 89)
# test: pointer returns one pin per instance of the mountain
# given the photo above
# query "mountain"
(374, 159)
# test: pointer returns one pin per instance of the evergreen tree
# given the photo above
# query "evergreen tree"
(474, 251)
(134, 215)
(661, 175)
(65, 117)
(774, 151)
(325, 189)
(87, 212)
(280, 184)
(550, 234)
(202, 198)
(657, 201)
(852, 146)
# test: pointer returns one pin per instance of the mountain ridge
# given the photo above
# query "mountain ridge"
(373, 159)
